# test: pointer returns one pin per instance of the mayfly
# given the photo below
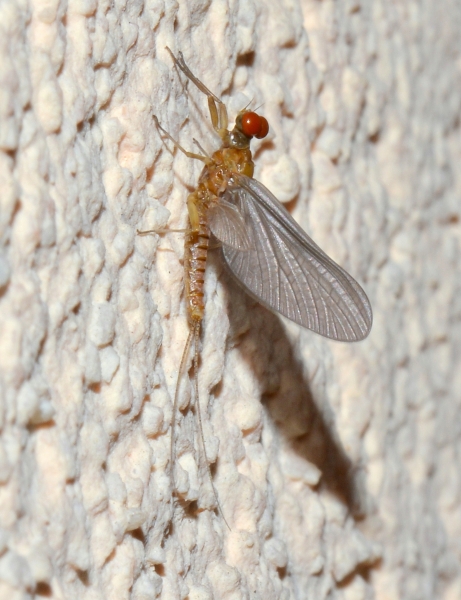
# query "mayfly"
(264, 248)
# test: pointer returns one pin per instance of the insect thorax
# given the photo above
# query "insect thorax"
(227, 162)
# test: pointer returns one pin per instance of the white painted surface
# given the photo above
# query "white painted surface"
(345, 481)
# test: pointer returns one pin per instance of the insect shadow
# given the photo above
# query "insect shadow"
(264, 248)
(287, 396)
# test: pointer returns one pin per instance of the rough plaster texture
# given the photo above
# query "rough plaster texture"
(337, 466)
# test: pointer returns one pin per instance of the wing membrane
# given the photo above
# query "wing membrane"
(285, 270)
(227, 224)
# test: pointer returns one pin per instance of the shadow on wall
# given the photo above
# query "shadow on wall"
(288, 399)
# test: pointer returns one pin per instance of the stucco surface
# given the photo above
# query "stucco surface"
(337, 466)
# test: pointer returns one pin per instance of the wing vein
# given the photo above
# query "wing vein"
(285, 270)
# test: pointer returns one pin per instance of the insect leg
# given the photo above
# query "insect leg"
(204, 159)
(192, 209)
(161, 231)
(217, 108)
(200, 148)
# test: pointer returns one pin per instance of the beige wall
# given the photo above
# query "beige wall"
(338, 466)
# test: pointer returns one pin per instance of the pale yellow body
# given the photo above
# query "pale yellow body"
(221, 170)
(213, 182)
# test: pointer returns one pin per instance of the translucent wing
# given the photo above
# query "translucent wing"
(287, 272)
(227, 224)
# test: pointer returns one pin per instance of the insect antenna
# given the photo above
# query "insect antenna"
(245, 108)
(259, 106)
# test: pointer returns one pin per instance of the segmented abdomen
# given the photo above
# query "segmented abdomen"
(195, 255)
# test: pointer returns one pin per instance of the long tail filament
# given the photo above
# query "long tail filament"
(194, 335)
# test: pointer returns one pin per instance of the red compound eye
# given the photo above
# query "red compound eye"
(254, 125)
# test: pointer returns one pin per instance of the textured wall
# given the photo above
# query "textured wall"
(338, 466)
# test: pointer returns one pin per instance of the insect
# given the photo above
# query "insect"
(266, 251)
